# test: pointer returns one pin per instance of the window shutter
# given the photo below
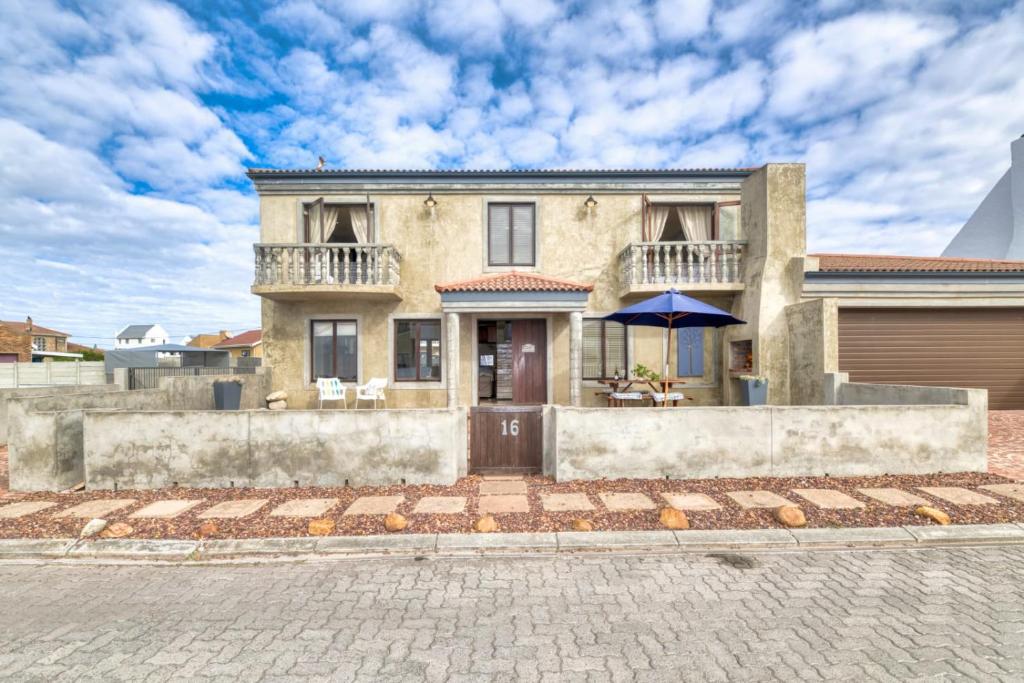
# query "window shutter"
(522, 235)
(690, 351)
(498, 234)
(615, 348)
(592, 349)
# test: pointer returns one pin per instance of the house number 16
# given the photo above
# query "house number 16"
(512, 428)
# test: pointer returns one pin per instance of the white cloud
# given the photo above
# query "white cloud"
(681, 19)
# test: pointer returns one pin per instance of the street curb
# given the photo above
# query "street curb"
(690, 541)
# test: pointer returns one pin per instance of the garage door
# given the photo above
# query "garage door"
(952, 347)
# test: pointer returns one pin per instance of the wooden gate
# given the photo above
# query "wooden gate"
(506, 439)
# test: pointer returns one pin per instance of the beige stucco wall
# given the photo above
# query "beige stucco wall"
(813, 348)
(448, 244)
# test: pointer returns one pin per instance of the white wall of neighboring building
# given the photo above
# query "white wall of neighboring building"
(155, 336)
(996, 229)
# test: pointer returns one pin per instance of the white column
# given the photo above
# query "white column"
(576, 358)
(452, 359)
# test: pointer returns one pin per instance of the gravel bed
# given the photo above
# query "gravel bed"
(730, 516)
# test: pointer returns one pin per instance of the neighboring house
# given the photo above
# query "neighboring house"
(25, 341)
(88, 352)
(138, 336)
(206, 341)
(996, 229)
(936, 321)
(467, 288)
(248, 344)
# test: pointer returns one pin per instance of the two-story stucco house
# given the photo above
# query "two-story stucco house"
(487, 287)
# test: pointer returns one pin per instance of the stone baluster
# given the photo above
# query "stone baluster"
(644, 250)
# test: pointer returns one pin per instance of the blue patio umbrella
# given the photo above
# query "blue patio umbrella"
(673, 310)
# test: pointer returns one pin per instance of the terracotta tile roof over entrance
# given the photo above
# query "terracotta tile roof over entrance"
(514, 282)
(863, 263)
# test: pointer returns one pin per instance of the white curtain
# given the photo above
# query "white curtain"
(331, 213)
(696, 222)
(360, 223)
(659, 217)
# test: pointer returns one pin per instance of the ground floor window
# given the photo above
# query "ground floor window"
(604, 349)
(334, 345)
(417, 350)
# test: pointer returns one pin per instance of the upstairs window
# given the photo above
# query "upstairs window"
(337, 223)
(38, 343)
(511, 235)
(691, 222)
(604, 349)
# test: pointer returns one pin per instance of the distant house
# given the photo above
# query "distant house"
(138, 336)
(996, 228)
(22, 342)
(206, 341)
(249, 344)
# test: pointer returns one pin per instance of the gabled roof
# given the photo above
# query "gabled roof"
(247, 338)
(876, 263)
(514, 281)
(22, 327)
(135, 331)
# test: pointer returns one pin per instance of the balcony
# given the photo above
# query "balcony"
(289, 272)
(707, 267)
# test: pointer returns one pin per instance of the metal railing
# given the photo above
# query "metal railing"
(327, 264)
(649, 263)
(149, 378)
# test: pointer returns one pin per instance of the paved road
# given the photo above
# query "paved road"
(859, 615)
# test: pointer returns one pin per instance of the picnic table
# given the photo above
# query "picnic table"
(659, 386)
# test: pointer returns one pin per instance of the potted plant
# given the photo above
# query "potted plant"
(643, 372)
(753, 390)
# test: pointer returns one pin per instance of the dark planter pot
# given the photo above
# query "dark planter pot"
(754, 392)
(227, 395)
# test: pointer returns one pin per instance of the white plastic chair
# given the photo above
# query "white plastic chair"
(331, 389)
(372, 391)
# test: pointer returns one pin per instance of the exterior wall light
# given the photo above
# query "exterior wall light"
(430, 202)
(590, 203)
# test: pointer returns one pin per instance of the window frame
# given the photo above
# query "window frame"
(716, 209)
(604, 350)
(416, 343)
(306, 230)
(511, 250)
(334, 347)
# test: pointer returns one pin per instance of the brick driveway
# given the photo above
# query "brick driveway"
(868, 615)
(1006, 443)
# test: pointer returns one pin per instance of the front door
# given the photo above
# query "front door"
(529, 362)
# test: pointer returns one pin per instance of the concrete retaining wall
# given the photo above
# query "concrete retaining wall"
(196, 393)
(28, 392)
(142, 450)
(697, 443)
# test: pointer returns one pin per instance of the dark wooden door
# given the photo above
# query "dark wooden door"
(529, 362)
(506, 438)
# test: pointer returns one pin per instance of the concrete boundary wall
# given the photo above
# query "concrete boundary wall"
(29, 392)
(769, 441)
(145, 450)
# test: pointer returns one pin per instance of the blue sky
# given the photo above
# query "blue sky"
(126, 127)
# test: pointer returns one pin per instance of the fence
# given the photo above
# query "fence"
(149, 378)
(15, 375)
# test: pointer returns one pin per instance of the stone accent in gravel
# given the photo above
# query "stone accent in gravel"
(16, 510)
(758, 499)
(617, 502)
(565, 502)
(166, 509)
(958, 495)
(829, 499)
(96, 508)
(233, 509)
(691, 501)
(304, 507)
(1015, 491)
(499, 504)
(374, 505)
(894, 497)
(440, 505)
(502, 488)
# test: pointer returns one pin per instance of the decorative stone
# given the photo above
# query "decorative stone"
(278, 405)
(582, 525)
(321, 527)
(791, 516)
(93, 527)
(934, 514)
(117, 530)
(280, 395)
(207, 529)
(486, 524)
(673, 519)
(395, 522)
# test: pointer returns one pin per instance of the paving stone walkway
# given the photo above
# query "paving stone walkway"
(926, 614)
(1006, 443)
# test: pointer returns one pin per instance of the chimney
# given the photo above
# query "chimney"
(224, 335)
(28, 324)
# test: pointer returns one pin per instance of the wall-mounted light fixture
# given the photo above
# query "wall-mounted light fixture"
(430, 202)
(590, 203)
